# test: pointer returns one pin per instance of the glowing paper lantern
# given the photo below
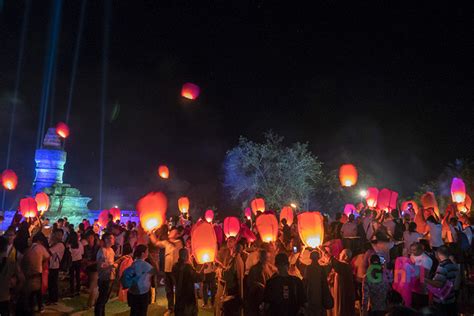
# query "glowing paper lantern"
(465, 206)
(387, 200)
(348, 175)
(428, 200)
(267, 226)
(248, 213)
(42, 201)
(258, 205)
(404, 206)
(231, 226)
(246, 233)
(350, 209)
(183, 204)
(203, 242)
(103, 218)
(287, 213)
(311, 228)
(209, 216)
(190, 91)
(9, 179)
(164, 172)
(28, 207)
(458, 190)
(62, 130)
(151, 210)
(115, 212)
(371, 198)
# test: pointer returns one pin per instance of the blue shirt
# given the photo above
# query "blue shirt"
(142, 281)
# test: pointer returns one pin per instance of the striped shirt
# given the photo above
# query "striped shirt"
(446, 271)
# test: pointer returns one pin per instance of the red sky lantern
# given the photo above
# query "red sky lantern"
(267, 226)
(103, 218)
(9, 179)
(248, 213)
(350, 209)
(203, 242)
(209, 216)
(466, 205)
(231, 226)
(62, 130)
(428, 200)
(42, 201)
(183, 204)
(258, 205)
(387, 200)
(348, 175)
(246, 233)
(115, 211)
(163, 172)
(371, 198)
(190, 91)
(404, 206)
(151, 210)
(28, 207)
(458, 190)
(287, 213)
(311, 228)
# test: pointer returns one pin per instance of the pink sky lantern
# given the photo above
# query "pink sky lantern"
(371, 198)
(246, 233)
(209, 216)
(287, 213)
(231, 226)
(28, 207)
(350, 209)
(267, 226)
(190, 91)
(42, 200)
(248, 213)
(103, 218)
(458, 190)
(387, 200)
(62, 130)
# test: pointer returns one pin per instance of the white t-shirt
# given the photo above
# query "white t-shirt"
(436, 234)
(390, 224)
(424, 261)
(76, 253)
(57, 253)
(409, 238)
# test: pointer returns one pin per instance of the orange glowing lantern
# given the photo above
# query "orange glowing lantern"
(348, 175)
(28, 207)
(209, 216)
(151, 210)
(258, 205)
(42, 201)
(248, 213)
(62, 130)
(183, 204)
(287, 213)
(267, 226)
(465, 207)
(428, 200)
(164, 172)
(203, 242)
(387, 200)
(371, 198)
(404, 206)
(9, 179)
(103, 218)
(231, 226)
(115, 212)
(458, 190)
(190, 91)
(311, 228)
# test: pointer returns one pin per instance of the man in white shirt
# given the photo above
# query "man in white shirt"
(423, 263)
(57, 252)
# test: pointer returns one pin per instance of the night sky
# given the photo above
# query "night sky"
(387, 87)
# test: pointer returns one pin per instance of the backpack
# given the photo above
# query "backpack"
(66, 261)
(128, 277)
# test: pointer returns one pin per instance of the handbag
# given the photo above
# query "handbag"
(441, 292)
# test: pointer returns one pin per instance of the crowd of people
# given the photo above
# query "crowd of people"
(371, 262)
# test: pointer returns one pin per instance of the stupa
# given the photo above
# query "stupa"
(65, 201)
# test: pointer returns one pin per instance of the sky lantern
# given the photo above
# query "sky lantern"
(103, 218)
(267, 226)
(246, 233)
(151, 210)
(348, 175)
(9, 179)
(190, 91)
(350, 209)
(311, 228)
(209, 216)
(163, 172)
(465, 206)
(287, 213)
(231, 226)
(387, 200)
(428, 200)
(371, 197)
(248, 213)
(183, 204)
(257, 205)
(42, 201)
(62, 130)
(28, 207)
(203, 242)
(458, 190)
(115, 211)
(404, 206)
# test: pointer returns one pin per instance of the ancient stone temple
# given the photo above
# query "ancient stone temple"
(65, 201)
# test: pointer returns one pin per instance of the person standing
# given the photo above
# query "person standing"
(57, 252)
(256, 280)
(7, 271)
(138, 295)
(77, 250)
(184, 277)
(375, 288)
(106, 272)
(284, 294)
(317, 288)
(343, 290)
(89, 261)
(423, 264)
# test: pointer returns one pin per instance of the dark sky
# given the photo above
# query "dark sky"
(387, 87)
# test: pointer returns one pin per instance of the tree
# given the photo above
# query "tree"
(280, 174)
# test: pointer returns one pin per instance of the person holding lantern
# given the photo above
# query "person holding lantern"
(317, 288)
(256, 280)
(184, 277)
